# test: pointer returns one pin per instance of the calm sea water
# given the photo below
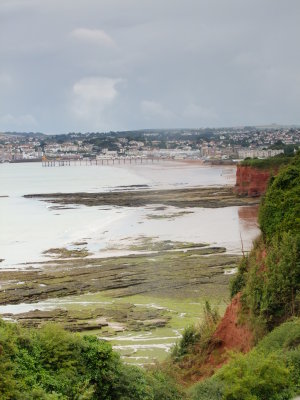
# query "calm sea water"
(29, 227)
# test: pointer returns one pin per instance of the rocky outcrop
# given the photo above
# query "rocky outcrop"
(123, 317)
(210, 197)
(252, 182)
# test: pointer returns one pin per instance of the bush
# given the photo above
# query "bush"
(189, 338)
(284, 337)
(273, 282)
(211, 389)
(163, 386)
(52, 364)
(267, 163)
(239, 280)
(280, 208)
(254, 377)
(198, 335)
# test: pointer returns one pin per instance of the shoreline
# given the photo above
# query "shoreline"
(158, 288)
(180, 160)
(121, 298)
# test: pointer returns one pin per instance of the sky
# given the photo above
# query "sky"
(101, 65)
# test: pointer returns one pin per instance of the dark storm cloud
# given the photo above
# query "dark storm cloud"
(125, 64)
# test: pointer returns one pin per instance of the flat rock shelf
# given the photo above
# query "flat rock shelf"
(213, 197)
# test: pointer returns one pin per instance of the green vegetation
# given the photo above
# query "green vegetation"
(272, 285)
(239, 281)
(51, 364)
(266, 163)
(197, 334)
(269, 277)
(287, 148)
(269, 372)
(280, 208)
(187, 361)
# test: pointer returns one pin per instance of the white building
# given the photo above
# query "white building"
(245, 153)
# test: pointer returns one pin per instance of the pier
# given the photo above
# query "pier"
(58, 162)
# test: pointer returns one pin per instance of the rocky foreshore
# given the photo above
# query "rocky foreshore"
(212, 197)
(189, 271)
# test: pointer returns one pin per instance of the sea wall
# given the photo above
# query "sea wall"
(251, 181)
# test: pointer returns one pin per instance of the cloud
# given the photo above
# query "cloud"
(5, 79)
(20, 122)
(95, 36)
(212, 63)
(15, 5)
(91, 97)
(155, 109)
(204, 114)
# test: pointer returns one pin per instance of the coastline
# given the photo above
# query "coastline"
(131, 263)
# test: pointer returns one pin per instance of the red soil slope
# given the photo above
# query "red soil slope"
(230, 334)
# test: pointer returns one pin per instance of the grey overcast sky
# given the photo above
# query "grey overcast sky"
(99, 65)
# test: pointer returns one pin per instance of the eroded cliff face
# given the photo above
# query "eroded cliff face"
(252, 181)
(231, 334)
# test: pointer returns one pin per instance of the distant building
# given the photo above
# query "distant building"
(252, 153)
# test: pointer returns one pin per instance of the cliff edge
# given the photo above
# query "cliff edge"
(251, 181)
(253, 175)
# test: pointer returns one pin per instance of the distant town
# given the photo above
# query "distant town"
(219, 145)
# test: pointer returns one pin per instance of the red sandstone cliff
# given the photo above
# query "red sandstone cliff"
(252, 181)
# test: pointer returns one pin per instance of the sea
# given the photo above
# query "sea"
(29, 227)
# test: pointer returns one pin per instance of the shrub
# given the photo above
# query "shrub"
(198, 335)
(189, 338)
(266, 163)
(254, 377)
(52, 364)
(239, 280)
(211, 389)
(280, 208)
(271, 371)
(163, 386)
(273, 283)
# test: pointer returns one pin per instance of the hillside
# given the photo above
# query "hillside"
(264, 312)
